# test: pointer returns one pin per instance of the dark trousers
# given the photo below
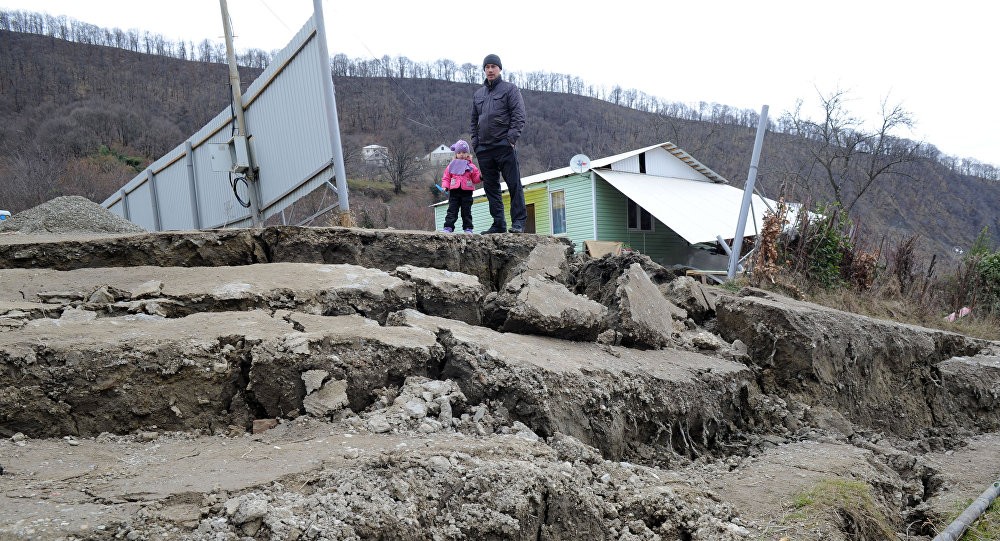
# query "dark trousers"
(494, 162)
(459, 199)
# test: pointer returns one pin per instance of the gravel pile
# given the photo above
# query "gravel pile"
(69, 214)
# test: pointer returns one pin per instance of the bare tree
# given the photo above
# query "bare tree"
(851, 158)
(403, 162)
(470, 73)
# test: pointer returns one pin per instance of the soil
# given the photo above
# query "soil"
(304, 383)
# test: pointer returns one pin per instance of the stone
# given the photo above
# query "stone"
(541, 306)
(331, 397)
(148, 289)
(263, 425)
(644, 317)
(314, 379)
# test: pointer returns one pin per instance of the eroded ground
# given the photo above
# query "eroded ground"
(300, 383)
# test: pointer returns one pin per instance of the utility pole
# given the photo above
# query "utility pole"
(741, 224)
(336, 150)
(242, 137)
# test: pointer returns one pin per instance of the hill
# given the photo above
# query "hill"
(82, 119)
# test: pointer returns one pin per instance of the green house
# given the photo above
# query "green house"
(657, 200)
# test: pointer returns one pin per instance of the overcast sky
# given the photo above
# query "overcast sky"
(937, 60)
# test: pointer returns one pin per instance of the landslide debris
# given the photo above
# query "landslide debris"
(312, 383)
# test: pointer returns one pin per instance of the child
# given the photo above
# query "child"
(460, 179)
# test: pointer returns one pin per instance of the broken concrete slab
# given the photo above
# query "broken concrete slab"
(494, 259)
(531, 305)
(14, 314)
(598, 278)
(351, 348)
(316, 288)
(696, 299)
(642, 317)
(444, 293)
(201, 372)
(879, 374)
(619, 400)
(327, 400)
(546, 261)
(124, 374)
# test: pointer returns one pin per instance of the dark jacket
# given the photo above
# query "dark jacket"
(497, 114)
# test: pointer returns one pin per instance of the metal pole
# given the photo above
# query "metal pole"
(192, 184)
(241, 125)
(154, 197)
(957, 528)
(741, 224)
(333, 123)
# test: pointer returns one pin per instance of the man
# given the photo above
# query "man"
(497, 121)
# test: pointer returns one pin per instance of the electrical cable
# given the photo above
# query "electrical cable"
(235, 180)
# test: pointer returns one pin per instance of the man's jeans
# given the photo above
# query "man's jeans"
(492, 164)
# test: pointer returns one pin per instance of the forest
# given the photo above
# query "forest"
(87, 108)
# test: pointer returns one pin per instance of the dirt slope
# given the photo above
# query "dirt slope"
(300, 383)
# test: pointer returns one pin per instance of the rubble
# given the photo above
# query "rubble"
(307, 383)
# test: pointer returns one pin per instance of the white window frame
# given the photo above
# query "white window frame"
(639, 215)
(552, 212)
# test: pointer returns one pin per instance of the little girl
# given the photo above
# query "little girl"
(460, 179)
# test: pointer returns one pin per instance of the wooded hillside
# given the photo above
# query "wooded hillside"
(82, 119)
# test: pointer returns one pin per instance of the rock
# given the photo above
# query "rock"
(416, 408)
(539, 306)
(331, 397)
(444, 293)
(263, 425)
(643, 316)
(149, 289)
(707, 341)
(379, 424)
(314, 379)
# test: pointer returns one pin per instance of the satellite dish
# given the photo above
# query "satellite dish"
(579, 163)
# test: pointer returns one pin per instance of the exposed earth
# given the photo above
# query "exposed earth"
(291, 383)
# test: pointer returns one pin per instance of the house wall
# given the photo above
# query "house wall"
(535, 194)
(579, 207)
(662, 245)
(660, 163)
(481, 218)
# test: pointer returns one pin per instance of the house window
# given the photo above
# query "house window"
(639, 218)
(558, 212)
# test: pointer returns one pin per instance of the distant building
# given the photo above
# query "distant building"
(440, 155)
(375, 155)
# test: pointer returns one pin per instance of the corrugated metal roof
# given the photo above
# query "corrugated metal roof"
(671, 148)
(697, 211)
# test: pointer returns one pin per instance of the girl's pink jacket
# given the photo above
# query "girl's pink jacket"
(465, 181)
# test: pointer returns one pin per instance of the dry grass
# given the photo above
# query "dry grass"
(885, 306)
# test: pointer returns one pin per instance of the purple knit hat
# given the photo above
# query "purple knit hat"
(460, 146)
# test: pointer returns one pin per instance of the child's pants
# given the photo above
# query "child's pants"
(459, 199)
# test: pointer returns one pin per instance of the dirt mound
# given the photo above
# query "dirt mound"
(68, 214)
(335, 383)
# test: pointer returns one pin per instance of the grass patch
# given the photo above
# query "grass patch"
(850, 505)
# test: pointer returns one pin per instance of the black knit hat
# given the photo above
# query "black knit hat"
(492, 59)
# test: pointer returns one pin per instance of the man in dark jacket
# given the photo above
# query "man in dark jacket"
(497, 121)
